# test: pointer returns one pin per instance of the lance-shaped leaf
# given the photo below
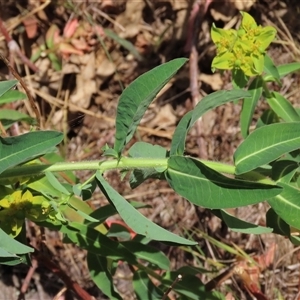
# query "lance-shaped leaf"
(238, 225)
(101, 275)
(189, 287)
(136, 98)
(284, 170)
(283, 108)
(6, 86)
(145, 150)
(9, 116)
(271, 69)
(148, 253)
(10, 247)
(95, 242)
(135, 220)
(286, 205)
(286, 69)
(144, 288)
(279, 225)
(266, 144)
(18, 149)
(207, 103)
(12, 96)
(205, 187)
(249, 104)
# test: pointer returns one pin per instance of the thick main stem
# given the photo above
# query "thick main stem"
(123, 163)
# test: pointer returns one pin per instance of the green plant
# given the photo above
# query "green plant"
(266, 168)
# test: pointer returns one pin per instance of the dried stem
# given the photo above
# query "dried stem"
(178, 278)
(74, 286)
(193, 32)
(14, 47)
(19, 78)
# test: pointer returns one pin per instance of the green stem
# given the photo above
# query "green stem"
(123, 163)
(265, 88)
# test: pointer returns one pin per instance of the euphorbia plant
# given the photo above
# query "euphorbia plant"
(265, 169)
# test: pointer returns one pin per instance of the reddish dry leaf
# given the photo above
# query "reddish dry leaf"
(110, 222)
(266, 259)
(249, 277)
(66, 48)
(229, 296)
(31, 27)
(80, 44)
(249, 274)
(70, 28)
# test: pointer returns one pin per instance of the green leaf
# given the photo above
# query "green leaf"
(271, 69)
(56, 184)
(191, 270)
(119, 231)
(189, 286)
(148, 254)
(136, 98)
(207, 103)
(286, 204)
(283, 108)
(179, 136)
(106, 211)
(10, 116)
(18, 149)
(144, 288)
(214, 100)
(42, 185)
(95, 242)
(145, 150)
(274, 221)
(52, 158)
(284, 170)
(238, 225)
(101, 275)
(239, 79)
(205, 187)
(124, 43)
(249, 105)
(9, 247)
(135, 220)
(286, 69)
(55, 61)
(6, 86)
(248, 22)
(11, 96)
(268, 117)
(81, 213)
(266, 144)
(265, 37)
(85, 191)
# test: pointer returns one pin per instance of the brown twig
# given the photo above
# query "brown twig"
(2, 129)
(70, 284)
(170, 288)
(193, 32)
(14, 47)
(19, 78)
(24, 288)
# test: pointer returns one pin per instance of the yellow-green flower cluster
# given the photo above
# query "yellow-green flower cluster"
(244, 48)
(17, 206)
